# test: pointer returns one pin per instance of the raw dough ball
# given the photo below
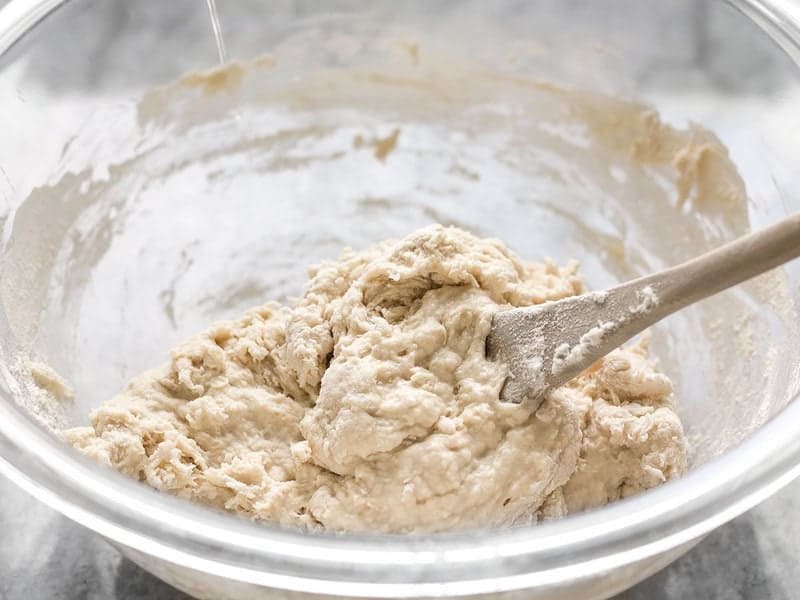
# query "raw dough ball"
(370, 404)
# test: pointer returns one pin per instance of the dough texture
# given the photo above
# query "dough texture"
(369, 405)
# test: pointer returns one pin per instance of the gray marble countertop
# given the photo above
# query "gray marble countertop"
(44, 556)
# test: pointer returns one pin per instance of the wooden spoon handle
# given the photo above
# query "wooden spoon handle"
(723, 267)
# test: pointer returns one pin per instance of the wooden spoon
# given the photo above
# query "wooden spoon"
(548, 344)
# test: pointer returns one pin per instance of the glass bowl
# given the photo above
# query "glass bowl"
(138, 204)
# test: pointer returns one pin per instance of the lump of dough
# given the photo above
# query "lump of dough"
(370, 403)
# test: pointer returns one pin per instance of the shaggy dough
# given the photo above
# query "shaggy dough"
(370, 404)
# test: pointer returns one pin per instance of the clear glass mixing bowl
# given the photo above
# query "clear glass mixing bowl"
(136, 207)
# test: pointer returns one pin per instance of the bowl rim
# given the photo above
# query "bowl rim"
(582, 546)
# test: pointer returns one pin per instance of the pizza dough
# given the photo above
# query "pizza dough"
(369, 405)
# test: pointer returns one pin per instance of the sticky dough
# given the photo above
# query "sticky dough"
(370, 405)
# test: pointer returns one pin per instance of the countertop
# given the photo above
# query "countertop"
(44, 556)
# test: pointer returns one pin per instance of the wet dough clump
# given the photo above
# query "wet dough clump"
(370, 404)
